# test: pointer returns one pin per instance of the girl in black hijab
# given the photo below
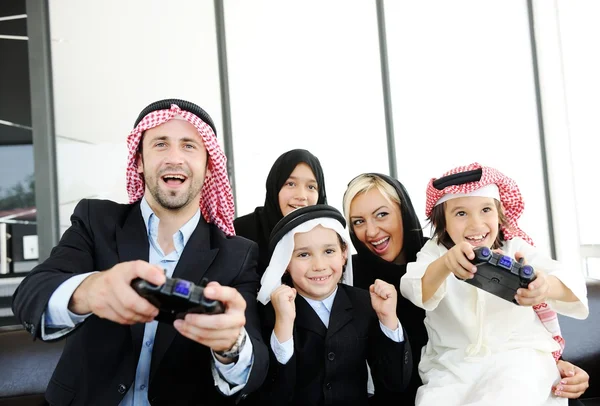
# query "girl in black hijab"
(386, 233)
(295, 180)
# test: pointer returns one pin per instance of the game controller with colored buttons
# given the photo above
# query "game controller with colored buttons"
(500, 274)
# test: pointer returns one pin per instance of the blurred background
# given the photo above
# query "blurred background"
(401, 87)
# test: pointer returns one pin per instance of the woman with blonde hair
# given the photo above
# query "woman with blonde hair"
(386, 233)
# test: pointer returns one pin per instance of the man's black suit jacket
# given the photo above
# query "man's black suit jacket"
(328, 366)
(99, 360)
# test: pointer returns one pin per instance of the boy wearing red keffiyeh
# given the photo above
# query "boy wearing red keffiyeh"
(484, 350)
(179, 222)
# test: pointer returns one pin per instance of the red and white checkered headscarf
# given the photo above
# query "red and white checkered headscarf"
(510, 196)
(216, 201)
(512, 200)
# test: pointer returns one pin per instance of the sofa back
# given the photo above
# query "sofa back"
(25, 367)
(583, 339)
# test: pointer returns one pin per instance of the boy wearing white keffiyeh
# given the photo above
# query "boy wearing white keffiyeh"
(321, 331)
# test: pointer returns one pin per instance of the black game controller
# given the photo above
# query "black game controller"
(176, 298)
(499, 274)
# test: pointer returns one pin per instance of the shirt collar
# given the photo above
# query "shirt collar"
(327, 302)
(151, 221)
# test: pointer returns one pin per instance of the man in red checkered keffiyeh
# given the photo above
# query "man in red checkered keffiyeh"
(178, 225)
(470, 330)
(216, 201)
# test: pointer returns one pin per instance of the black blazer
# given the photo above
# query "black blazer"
(250, 227)
(100, 357)
(329, 364)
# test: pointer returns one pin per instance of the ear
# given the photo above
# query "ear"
(345, 255)
(140, 163)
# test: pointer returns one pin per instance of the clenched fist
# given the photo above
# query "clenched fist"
(282, 300)
(383, 299)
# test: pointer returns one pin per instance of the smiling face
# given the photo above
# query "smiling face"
(377, 223)
(317, 262)
(473, 219)
(173, 163)
(299, 190)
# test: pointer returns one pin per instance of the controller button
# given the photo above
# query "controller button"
(505, 261)
(527, 270)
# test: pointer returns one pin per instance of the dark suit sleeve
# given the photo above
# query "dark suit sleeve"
(247, 283)
(390, 362)
(73, 255)
(279, 385)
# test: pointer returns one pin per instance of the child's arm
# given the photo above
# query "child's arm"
(411, 283)
(424, 281)
(562, 288)
(282, 299)
(390, 356)
(278, 387)
(542, 288)
(383, 299)
(455, 261)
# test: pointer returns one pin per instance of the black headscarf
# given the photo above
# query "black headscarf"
(257, 226)
(368, 266)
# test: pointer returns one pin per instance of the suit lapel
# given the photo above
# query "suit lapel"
(132, 244)
(193, 264)
(307, 318)
(341, 311)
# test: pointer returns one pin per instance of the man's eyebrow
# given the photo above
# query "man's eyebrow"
(187, 139)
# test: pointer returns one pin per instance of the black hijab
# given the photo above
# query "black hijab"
(368, 266)
(257, 226)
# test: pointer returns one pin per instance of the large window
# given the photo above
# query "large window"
(463, 91)
(580, 32)
(18, 240)
(304, 75)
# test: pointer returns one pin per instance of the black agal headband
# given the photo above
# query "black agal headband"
(302, 215)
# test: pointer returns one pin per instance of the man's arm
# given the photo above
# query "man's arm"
(58, 320)
(220, 332)
(107, 294)
(72, 256)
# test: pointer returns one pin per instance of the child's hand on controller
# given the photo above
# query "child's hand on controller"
(457, 260)
(537, 291)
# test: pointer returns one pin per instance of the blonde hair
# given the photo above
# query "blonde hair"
(364, 183)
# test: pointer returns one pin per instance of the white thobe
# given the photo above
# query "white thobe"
(484, 350)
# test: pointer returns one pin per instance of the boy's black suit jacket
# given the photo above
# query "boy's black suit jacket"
(328, 366)
(100, 357)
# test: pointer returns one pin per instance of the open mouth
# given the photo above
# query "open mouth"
(296, 206)
(174, 180)
(381, 245)
(319, 279)
(476, 239)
